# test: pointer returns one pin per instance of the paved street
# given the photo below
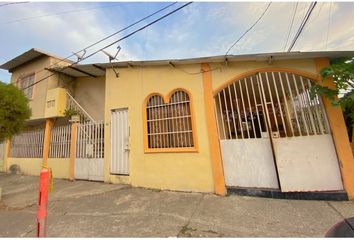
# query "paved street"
(91, 209)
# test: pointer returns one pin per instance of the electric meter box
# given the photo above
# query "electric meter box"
(55, 103)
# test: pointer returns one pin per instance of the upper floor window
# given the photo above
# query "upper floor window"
(26, 85)
(169, 125)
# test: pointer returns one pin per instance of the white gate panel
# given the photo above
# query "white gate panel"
(96, 169)
(81, 168)
(249, 163)
(89, 169)
(307, 163)
(120, 142)
(89, 162)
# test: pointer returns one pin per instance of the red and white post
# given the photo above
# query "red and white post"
(44, 183)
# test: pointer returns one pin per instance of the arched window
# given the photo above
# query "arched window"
(169, 125)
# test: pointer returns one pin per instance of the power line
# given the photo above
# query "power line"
(248, 29)
(318, 14)
(125, 37)
(109, 36)
(56, 14)
(291, 26)
(302, 25)
(329, 23)
(142, 28)
(11, 3)
(131, 25)
(304, 9)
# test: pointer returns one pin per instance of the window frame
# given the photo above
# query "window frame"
(166, 100)
(20, 82)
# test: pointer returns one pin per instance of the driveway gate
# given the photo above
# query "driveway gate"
(273, 135)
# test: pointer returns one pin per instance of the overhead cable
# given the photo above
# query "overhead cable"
(109, 36)
(318, 13)
(125, 37)
(254, 24)
(291, 26)
(329, 23)
(123, 29)
(11, 3)
(56, 14)
(302, 25)
(138, 30)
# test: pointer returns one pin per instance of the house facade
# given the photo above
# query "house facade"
(242, 123)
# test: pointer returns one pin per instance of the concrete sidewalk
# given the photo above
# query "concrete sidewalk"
(91, 209)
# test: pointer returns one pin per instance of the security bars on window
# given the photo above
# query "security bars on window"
(169, 125)
(25, 83)
(278, 101)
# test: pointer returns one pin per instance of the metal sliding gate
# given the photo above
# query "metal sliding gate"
(273, 135)
(89, 162)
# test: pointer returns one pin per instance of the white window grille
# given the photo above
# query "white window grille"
(60, 142)
(28, 144)
(26, 85)
(277, 101)
(169, 125)
(90, 140)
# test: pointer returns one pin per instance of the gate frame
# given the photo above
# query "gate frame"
(75, 126)
(334, 115)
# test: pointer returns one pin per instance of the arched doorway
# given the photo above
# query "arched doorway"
(273, 135)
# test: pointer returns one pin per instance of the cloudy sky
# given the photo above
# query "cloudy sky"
(200, 29)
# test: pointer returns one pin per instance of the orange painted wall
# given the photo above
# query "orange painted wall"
(340, 135)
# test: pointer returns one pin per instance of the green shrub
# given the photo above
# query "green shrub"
(14, 110)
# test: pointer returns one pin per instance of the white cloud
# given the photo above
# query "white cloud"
(60, 34)
(200, 29)
(270, 33)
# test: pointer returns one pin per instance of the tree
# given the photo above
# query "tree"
(341, 70)
(14, 110)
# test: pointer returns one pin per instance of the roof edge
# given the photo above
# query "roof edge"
(233, 58)
(28, 56)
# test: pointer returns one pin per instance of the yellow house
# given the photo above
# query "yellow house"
(243, 124)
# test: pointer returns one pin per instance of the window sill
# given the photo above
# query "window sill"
(171, 150)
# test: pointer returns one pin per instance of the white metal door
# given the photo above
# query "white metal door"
(244, 139)
(303, 146)
(89, 162)
(120, 142)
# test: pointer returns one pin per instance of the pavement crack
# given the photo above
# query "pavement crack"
(197, 206)
(28, 232)
(113, 214)
(7, 208)
(334, 209)
(186, 231)
(185, 228)
(91, 194)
